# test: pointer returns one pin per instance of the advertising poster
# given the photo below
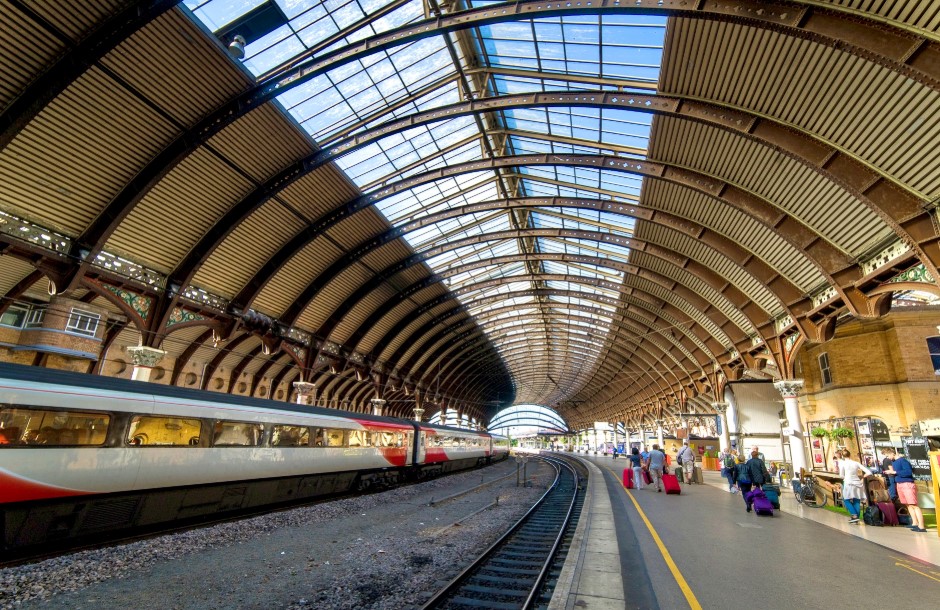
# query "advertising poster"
(916, 450)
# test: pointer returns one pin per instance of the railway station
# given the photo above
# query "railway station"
(255, 253)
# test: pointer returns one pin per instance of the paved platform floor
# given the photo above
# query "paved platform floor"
(643, 549)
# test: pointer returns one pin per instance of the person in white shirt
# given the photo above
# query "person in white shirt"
(687, 459)
(852, 484)
(655, 466)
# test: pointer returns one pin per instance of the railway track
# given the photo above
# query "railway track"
(519, 570)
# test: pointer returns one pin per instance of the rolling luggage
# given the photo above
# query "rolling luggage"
(872, 516)
(889, 514)
(761, 503)
(772, 491)
(647, 478)
(679, 474)
(628, 478)
(671, 484)
(697, 476)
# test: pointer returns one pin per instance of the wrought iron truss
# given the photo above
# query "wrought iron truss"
(532, 246)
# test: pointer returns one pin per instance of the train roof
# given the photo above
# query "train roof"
(37, 374)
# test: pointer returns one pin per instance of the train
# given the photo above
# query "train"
(82, 455)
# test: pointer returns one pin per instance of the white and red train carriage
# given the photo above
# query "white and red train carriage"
(80, 454)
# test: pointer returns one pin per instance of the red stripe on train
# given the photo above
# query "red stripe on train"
(14, 488)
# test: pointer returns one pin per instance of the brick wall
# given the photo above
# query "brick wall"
(879, 367)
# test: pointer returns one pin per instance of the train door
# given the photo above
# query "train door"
(419, 447)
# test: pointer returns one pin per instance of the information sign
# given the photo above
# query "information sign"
(916, 450)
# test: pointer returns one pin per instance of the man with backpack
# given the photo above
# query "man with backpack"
(728, 470)
(687, 460)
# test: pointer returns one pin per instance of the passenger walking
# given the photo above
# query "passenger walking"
(728, 463)
(760, 455)
(853, 474)
(754, 475)
(743, 480)
(655, 466)
(687, 461)
(637, 463)
(887, 467)
(907, 492)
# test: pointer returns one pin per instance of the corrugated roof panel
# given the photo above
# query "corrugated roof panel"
(184, 205)
(76, 18)
(12, 271)
(375, 302)
(712, 259)
(324, 304)
(78, 153)
(234, 355)
(796, 80)
(293, 277)
(670, 297)
(386, 255)
(844, 221)
(177, 342)
(319, 192)
(23, 56)
(760, 239)
(242, 253)
(359, 227)
(164, 60)
(917, 13)
(263, 142)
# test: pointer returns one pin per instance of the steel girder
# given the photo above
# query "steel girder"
(756, 14)
(326, 329)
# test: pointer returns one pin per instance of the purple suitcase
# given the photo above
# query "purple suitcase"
(761, 503)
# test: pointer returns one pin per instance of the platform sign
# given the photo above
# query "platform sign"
(916, 450)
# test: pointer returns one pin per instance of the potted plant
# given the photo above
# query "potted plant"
(841, 433)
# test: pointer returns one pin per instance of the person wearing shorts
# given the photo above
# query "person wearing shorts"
(687, 458)
(907, 492)
(655, 465)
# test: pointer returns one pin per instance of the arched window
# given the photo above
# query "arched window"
(933, 346)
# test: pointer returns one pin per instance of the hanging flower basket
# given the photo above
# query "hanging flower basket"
(819, 432)
(841, 433)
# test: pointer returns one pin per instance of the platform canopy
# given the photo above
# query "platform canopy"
(606, 207)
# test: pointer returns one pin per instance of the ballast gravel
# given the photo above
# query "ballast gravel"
(387, 550)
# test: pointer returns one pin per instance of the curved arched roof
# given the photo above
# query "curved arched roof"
(606, 207)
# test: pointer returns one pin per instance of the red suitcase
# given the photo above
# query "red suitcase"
(647, 478)
(671, 484)
(889, 514)
(628, 478)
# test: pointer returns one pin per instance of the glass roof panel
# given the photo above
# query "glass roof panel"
(572, 53)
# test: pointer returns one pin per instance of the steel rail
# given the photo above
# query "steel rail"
(444, 597)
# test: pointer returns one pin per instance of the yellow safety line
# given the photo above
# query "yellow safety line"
(680, 580)
(917, 571)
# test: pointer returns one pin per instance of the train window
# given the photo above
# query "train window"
(27, 426)
(236, 434)
(335, 438)
(163, 431)
(290, 436)
(360, 438)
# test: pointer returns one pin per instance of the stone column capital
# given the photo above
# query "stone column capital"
(305, 388)
(418, 411)
(145, 356)
(720, 407)
(789, 388)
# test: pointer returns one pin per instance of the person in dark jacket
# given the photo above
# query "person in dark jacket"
(750, 474)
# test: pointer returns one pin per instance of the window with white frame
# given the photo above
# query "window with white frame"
(83, 322)
(824, 369)
(14, 316)
(35, 317)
